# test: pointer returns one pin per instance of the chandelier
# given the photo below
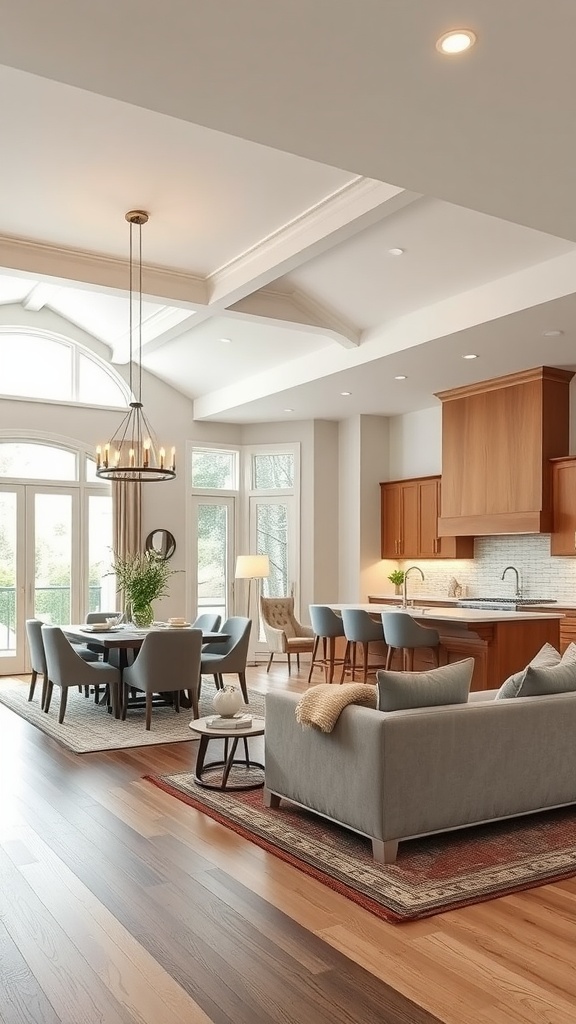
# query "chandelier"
(132, 453)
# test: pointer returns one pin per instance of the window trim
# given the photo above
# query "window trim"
(76, 349)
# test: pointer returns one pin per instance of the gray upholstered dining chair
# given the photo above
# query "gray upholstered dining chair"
(66, 668)
(230, 655)
(168, 662)
(360, 630)
(37, 658)
(208, 622)
(402, 633)
(327, 626)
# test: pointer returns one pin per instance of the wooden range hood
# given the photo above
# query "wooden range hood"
(497, 439)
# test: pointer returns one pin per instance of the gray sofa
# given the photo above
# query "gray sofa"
(397, 775)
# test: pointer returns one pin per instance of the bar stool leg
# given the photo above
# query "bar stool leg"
(365, 656)
(332, 657)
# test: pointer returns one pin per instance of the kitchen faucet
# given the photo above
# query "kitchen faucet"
(404, 582)
(518, 583)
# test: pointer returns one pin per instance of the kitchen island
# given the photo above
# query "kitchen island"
(500, 642)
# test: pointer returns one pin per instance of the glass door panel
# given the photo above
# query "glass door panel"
(272, 534)
(214, 546)
(52, 587)
(12, 592)
(101, 585)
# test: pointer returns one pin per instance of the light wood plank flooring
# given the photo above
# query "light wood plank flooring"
(120, 904)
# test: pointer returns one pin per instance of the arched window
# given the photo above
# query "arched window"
(39, 364)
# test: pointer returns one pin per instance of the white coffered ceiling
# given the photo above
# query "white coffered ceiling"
(282, 150)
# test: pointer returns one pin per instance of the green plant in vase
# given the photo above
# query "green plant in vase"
(142, 578)
(397, 578)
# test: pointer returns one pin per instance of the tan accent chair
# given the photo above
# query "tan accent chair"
(284, 634)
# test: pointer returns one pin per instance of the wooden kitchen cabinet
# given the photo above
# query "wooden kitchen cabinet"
(497, 439)
(409, 511)
(563, 536)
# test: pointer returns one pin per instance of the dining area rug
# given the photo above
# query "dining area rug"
(87, 726)
(431, 875)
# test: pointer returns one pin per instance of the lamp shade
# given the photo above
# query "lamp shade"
(252, 567)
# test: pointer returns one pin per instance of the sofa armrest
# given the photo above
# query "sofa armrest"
(337, 774)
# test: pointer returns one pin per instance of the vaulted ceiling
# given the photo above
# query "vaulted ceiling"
(283, 150)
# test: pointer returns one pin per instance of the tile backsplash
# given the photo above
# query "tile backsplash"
(542, 576)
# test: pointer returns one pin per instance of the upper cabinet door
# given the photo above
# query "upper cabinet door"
(428, 506)
(409, 515)
(563, 537)
(390, 506)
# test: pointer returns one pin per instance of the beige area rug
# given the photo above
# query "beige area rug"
(88, 727)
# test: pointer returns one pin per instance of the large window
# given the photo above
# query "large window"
(55, 541)
(44, 365)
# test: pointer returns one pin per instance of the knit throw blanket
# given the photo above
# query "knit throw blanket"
(321, 705)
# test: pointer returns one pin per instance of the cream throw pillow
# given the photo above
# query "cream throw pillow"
(449, 684)
(547, 657)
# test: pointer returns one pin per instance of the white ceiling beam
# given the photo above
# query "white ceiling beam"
(348, 211)
(296, 311)
(38, 297)
(64, 265)
(532, 286)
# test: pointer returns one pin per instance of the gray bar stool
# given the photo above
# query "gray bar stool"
(402, 633)
(327, 626)
(359, 628)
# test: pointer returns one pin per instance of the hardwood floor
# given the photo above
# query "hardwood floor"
(120, 904)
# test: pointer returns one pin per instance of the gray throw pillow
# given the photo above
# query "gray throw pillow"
(449, 684)
(547, 657)
(540, 681)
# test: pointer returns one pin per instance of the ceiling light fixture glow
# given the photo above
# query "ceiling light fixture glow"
(456, 41)
(470, 355)
(552, 334)
(345, 393)
(288, 410)
(396, 252)
(400, 376)
(226, 341)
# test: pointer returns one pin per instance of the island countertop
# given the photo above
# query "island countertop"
(501, 642)
(464, 615)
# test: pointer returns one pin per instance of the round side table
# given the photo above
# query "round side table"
(229, 762)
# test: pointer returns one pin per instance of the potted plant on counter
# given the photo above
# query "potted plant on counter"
(142, 578)
(397, 578)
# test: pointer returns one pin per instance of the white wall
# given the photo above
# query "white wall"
(416, 444)
(363, 463)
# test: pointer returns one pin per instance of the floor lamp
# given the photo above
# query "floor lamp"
(251, 567)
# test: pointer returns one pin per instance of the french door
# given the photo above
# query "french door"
(212, 569)
(272, 530)
(41, 568)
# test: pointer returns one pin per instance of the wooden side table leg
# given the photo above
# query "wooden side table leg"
(229, 761)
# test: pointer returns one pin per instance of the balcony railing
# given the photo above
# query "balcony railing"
(51, 604)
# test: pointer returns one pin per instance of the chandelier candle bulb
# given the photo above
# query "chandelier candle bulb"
(98, 456)
(131, 457)
(106, 455)
(116, 457)
(162, 457)
(173, 458)
(147, 452)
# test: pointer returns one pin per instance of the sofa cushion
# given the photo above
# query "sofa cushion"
(449, 684)
(547, 657)
(539, 681)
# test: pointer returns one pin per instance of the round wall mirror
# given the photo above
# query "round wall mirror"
(161, 542)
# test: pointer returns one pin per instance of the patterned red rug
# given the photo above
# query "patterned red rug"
(431, 875)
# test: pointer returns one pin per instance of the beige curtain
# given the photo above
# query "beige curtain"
(126, 517)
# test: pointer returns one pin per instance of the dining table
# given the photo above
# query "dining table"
(125, 638)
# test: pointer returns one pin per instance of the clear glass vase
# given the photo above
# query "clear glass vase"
(142, 615)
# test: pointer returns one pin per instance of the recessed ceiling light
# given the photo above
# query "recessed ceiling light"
(345, 393)
(400, 376)
(470, 355)
(396, 252)
(288, 410)
(456, 41)
(226, 341)
(552, 334)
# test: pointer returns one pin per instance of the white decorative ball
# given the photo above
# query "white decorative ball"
(227, 702)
